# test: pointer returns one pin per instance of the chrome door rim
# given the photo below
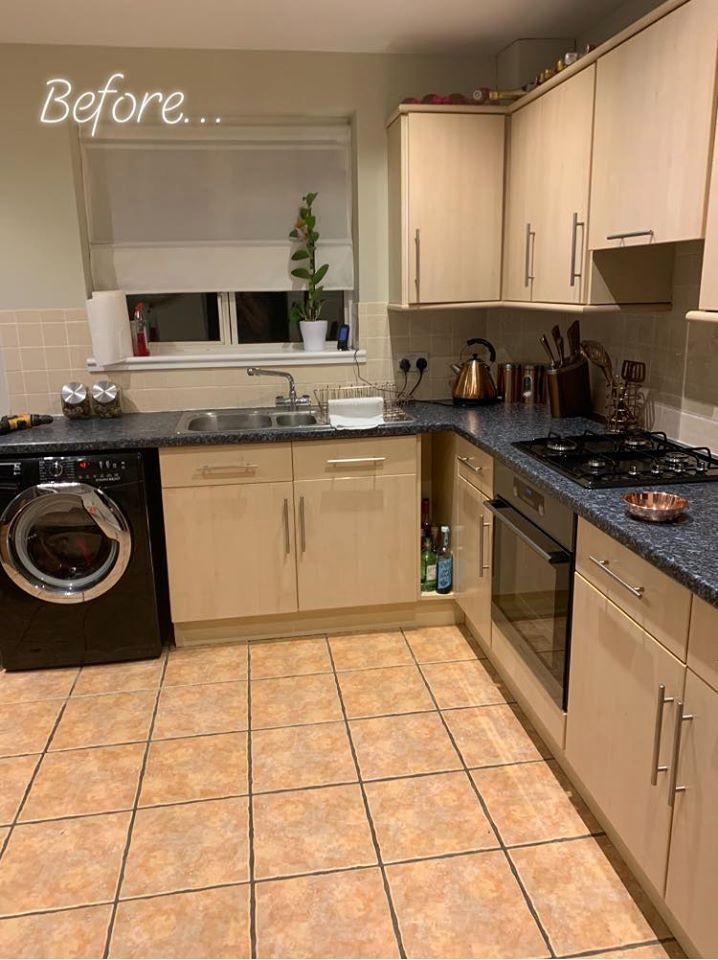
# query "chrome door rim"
(105, 514)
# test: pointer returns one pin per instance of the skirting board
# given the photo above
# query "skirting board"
(438, 613)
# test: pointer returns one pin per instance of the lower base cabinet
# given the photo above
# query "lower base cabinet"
(357, 541)
(472, 549)
(692, 887)
(619, 728)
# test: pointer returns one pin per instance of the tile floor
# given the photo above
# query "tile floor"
(353, 796)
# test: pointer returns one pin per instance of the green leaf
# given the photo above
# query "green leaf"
(300, 255)
(296, 313)
(302, 273)
(321, 273)
(310, 198)
(294, 235)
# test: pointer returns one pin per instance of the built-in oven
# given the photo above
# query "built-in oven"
(532, 577)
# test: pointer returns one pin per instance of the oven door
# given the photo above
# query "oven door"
(531, 595)
(64, 542)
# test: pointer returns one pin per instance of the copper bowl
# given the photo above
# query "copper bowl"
(654, 506)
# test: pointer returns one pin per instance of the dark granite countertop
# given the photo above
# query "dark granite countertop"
(686, 550)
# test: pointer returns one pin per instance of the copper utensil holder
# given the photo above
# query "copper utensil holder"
(569, 390)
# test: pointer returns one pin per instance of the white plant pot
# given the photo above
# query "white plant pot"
(314, 334)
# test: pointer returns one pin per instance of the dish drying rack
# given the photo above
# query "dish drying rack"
(394, 400)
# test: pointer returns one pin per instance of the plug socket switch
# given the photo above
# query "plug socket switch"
(413, 359)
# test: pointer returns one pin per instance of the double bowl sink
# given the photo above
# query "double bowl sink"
(234, 421)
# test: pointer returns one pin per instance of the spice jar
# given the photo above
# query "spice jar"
(75, 401)
(106, 399)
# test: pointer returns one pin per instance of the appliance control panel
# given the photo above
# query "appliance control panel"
(92, 469)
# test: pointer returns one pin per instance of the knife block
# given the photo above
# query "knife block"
(569, 390)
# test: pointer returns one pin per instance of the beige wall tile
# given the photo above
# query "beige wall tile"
(30, 334)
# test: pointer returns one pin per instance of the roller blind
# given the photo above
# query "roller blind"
(214, 213)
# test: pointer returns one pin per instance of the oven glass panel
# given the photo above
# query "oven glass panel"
(530, 603)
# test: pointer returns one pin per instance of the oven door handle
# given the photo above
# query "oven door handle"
(521, 527)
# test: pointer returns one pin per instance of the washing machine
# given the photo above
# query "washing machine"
(82, 571)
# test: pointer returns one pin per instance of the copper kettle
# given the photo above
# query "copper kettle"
(474, 383)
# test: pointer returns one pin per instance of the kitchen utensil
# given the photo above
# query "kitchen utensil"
(474, 383)
(596, 352)
(543, 340)
(558, 340)
(106, 399)
(510, 382)
(573, 335)
(633, 371)
(569, 389)
(534, 383)
(654, 506)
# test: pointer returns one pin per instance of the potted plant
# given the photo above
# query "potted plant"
(308, 312)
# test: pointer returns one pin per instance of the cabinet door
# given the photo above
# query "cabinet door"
(230, 550)
(564, 165)
(454, 192)
(524, 181)
(709, 277)
(692, 888)
(472, 554)
(653, 124)
(613, 718)
(358, 541)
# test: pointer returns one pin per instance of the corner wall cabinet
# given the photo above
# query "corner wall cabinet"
(446, 182)
(709, 279)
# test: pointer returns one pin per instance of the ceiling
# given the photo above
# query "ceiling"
(357, 26)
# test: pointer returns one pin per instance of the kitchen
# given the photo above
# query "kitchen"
(346, 636)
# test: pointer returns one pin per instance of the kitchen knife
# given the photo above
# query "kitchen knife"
(558, 340)
(573, 335)
(543, 340)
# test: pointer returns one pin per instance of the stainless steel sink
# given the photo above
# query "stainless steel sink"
(235, 421)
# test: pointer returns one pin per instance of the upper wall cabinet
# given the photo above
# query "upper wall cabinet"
(446, 183)
(709, 279)
(547, 196)
(653, 131)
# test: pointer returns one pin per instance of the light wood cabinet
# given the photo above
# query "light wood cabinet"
(446, 173)
(357, 541)
(653, 131)
(709, 279)
(692, 885)
(230, 550)
(703, 641)
(614, 720)
(547, 194)
(472, 555)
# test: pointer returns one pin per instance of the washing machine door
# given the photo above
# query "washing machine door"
(64, 542)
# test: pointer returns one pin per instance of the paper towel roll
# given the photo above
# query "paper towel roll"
(109, 327)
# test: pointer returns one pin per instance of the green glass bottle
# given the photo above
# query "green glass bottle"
(428, 568)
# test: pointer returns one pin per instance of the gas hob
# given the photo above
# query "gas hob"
(623, 459)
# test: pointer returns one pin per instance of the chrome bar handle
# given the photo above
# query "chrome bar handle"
(681, 718)
(661, 701)
(220, 470)
(603, 564)
(467, 463)
(481, 544)
(484, 526)
(417, 262)
(575, 274)
(528, 254)
(341, 460)
(287, 543)
(302, 526)
(629, 234)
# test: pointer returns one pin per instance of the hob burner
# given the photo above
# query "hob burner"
(597, 463)
(561, 445)
(637, 442)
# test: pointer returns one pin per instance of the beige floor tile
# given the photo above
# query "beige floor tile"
(15, 773)
(278, 703)
(29, 685)
(62, 863)
(428, 816)
(210, 664)
(292, 757)
(336, 915)
(363, 650)
(432, 644)
(198, 768)
(386, 690)
(467, 906)
(307, 830)
(490, 735)
(205, 923)
(67, 933)
(187, 846)
(399, 746)
(290, 658)
(584, 896)
(106, 719)
(531, 802)
(465, 683)
(26, 727)
(653, 951)
(119, 677)
(75, 782)
(205, 708)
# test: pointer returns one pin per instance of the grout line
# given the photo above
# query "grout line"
(494, 827)
(367, 810)
(133, 814)
(636, 945)
(546, 843)
(250, 815)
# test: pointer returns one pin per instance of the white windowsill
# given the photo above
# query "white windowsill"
(194, 361)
